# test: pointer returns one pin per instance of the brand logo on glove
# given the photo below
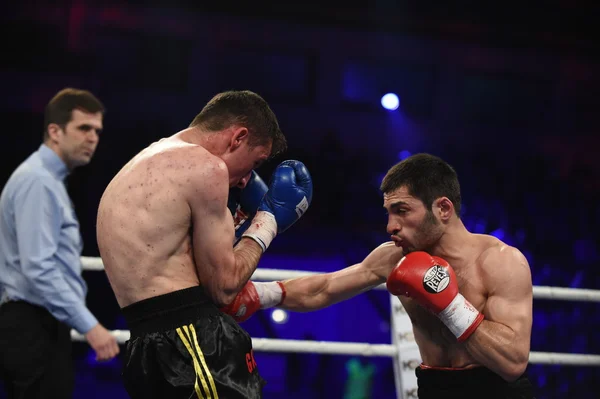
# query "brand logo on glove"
(436, 279)
(302, 207)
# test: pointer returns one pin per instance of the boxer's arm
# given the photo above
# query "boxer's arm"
(222, 271)
(502, 340)
(304, 294)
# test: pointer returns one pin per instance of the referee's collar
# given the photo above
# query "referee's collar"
(53, 162)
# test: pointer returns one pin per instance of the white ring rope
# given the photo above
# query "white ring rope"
(539, 292)
(385, 350)
(365, 349)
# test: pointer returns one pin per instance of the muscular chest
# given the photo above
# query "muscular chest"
(470, 286)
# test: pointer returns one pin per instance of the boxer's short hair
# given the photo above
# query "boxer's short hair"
(426, 177)
(60, 108)
(244, 108)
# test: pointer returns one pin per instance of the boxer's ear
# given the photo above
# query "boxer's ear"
(444, 208)
(239, 136)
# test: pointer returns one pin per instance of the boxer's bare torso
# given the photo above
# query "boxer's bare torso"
(491, 275)
(437, 345)
(144, 221)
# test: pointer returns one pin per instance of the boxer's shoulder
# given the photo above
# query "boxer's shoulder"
(499, 261)
(184, 160)
(490, 247)
(205, 168)
(203, 177)
(486, 246)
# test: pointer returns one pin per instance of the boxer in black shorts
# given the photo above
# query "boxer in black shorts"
(166, 238)
(181, 343)
(473, 383)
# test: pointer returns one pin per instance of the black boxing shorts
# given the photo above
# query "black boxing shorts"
(478, 382)
(182, 346)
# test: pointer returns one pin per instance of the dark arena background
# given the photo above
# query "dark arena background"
(507, 94)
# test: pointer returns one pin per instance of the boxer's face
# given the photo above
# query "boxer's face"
(243, 160)
(76, 143)
(411, 225)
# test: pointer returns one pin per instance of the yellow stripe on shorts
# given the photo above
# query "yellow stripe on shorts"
(211, 381)
(196, 367)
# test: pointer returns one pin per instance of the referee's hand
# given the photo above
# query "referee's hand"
(103, 342)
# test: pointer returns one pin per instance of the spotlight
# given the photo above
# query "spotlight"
(390, 101)
(279, 316)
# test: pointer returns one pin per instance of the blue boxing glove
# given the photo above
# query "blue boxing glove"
(288, 198)
(290, 194)
(243, 203)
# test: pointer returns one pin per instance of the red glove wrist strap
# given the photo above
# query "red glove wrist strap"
(283, 292)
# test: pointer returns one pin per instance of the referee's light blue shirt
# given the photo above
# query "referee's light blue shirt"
(40, 242)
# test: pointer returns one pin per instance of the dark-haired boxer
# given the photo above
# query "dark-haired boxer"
(166, 235)
(469, 296)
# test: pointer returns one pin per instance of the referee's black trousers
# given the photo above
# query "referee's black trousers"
(35, 353)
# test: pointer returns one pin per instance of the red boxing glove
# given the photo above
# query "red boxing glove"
(255, 296)
(431, 282)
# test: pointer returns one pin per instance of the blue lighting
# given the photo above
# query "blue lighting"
(498, 233)
(92, 362)
(390, 101)
(402, 155)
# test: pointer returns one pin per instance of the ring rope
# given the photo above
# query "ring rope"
(366, 349)
(386, 350)
(539, 292)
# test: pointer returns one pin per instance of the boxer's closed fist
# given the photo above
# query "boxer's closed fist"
(288, 198)
(289, 195)
(431, 282)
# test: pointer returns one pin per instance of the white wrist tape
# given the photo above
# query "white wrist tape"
(459, 315)
(263, 229)
(270, 294)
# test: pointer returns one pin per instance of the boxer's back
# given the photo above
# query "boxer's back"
(144, 220)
